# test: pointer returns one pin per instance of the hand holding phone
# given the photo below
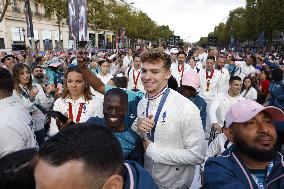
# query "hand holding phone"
(56, 114)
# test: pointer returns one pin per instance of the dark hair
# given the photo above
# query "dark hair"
(234, 78)
(277, 75)
(172, 83)
(102, 61)
(243, 86)
(211, 58)
(136, 54)
(17, 71)
(17, 170)
(155, 55)
(120, 82)
(253, 59)
(189, 58)
(94, 145)
(181, 52)
(267, 73)
(38, 59)
(6, 82)
(117, 92)
(35, 66)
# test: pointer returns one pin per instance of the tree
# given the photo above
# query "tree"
(164, 31)
(202, 41)
(59, 8)
(269, 17)
(99, 17)
(235, 24)
(222, 35)
(6, 3)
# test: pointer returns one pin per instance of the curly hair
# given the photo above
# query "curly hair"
(154, 56)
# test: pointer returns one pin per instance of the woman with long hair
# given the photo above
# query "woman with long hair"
(33, 98)
(77, 102)
(248, 91)
(104, 74)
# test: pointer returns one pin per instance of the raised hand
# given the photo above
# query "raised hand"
(144, 125)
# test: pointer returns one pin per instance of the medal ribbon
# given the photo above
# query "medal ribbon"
(150, 135)
(79, 112)
(181, 70)
(135, 80)
(209, 77)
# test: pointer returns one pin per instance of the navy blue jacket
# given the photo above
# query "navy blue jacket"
(137, 154)
(201, 104)
(229, 172)
(136, 177)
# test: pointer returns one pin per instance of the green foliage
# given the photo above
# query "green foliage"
(245, 24)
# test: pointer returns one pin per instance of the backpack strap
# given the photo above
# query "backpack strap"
(128, 72)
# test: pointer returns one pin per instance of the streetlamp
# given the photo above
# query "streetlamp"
(24, 34)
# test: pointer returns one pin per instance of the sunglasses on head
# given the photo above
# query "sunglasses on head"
(10, 58)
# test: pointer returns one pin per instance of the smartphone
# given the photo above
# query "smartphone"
(56, 114)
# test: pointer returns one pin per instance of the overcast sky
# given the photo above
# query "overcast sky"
(194, 18)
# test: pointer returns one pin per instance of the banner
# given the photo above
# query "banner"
(77, 10)
(122, 37)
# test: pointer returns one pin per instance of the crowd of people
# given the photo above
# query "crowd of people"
(141, 119)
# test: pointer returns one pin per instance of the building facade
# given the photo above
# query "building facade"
(13, 30)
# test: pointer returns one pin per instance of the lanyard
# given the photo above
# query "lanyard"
(135, 79)
(208, 78)
(79, 112)
(256, 180)
(181, 70)
(150, 135)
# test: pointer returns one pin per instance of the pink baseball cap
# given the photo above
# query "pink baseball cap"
(191, 79)
(246, 109)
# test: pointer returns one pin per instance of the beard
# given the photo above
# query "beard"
(259, 155)
(39, 76)
(219, 67)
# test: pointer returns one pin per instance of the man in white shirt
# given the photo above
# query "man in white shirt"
(210, 86)
(246, 68)
(128, 59)
(179, 68)
(134, 75)
(170, 125)
(225, 76)
(224, 101)
(173, 53)
(16, 125)
(202, 56)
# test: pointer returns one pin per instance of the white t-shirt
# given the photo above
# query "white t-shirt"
(243, 69)
(127, 61)
(252, 94)
(220, 107)
(105, 79)
(91, 108)
(137, 76)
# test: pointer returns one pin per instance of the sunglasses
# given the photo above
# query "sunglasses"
(10, 59)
